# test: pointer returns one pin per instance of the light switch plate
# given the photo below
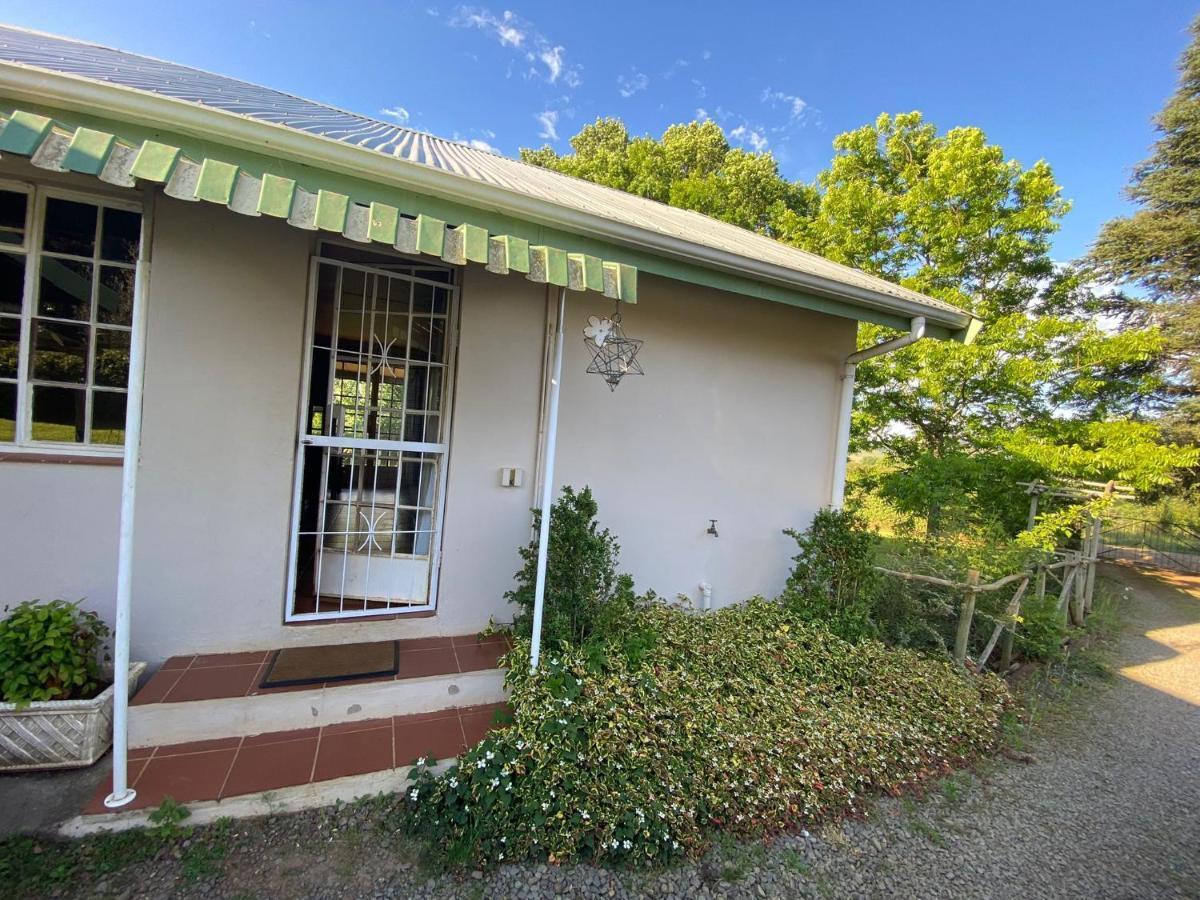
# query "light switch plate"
(511, 477)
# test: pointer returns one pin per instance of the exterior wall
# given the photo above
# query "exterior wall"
(60, 533)
(733, 421)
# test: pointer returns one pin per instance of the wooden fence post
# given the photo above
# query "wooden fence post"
(1093, 545)
(1075, 597)
(965, 615)
(1041, 582)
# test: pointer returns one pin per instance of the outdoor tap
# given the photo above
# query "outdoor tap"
(712, 527)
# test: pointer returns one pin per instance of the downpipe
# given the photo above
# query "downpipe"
(841, 450)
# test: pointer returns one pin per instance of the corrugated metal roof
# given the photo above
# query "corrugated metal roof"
(230, 95)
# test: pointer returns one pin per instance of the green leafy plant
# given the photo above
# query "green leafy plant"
(584, 593)
(832, 580)
(748, 720)
(50, 651)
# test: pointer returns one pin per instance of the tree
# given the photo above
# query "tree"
(1158, 247)
(692, 166)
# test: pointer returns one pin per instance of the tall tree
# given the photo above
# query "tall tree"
(949, 215)
(691, 166)
(1158, 247)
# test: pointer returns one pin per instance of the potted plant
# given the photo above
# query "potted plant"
(56, 694)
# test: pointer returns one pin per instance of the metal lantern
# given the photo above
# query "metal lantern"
(613, 354)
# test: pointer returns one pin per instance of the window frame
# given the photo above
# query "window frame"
(37, 194)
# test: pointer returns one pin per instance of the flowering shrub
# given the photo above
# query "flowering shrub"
(748, 719)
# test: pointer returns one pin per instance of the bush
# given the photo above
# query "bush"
(748, 719)
(584, 593)
(50, 651)
(832, 581)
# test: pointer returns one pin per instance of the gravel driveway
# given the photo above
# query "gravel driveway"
(1108, 807)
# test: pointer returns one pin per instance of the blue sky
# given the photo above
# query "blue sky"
(1075, 83)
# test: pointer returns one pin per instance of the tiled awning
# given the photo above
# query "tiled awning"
(61, 147)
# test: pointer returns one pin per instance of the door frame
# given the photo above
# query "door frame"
(304, 440)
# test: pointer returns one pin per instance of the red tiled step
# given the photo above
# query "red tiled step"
(213, 676)
(230, 767)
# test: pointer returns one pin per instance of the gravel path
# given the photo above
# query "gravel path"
(1108, 807)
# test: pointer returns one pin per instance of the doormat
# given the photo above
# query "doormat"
(338, 662)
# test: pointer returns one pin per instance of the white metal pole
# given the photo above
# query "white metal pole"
(121, 792)
(841, 449)
(539, 592)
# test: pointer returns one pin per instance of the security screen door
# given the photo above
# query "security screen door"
(371, 457)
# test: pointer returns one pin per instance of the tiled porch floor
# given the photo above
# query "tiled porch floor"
(215, 676)
(228, 767)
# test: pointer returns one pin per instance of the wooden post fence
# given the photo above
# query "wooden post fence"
(965, 614)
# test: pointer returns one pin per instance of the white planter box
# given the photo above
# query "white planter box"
(59, 734)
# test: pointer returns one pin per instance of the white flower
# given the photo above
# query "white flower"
(615, 844)
(545, 806)
(566, 701)
(420, 760)
(494, 783)
(453, 782)
(585, 815)
(413, 794)
(627, 844)
(491, 755)
(480, 764)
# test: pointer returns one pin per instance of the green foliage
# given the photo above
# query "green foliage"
(584, 594)
(50, 651)
(832, 581)
(747, 720)
(167, 820)
(691, 166)
(1158, 247)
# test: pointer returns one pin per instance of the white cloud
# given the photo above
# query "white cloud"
(399, 113)
(796, 106)
(503, 27)
(744, 134)
(701, 88)
(707, 54)
(702, 114)
(482, 145)
(549, 122)
(517, 34)
(552, 57)
(629, 85)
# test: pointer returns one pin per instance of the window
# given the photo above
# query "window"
(67, 266)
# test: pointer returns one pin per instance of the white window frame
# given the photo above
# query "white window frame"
(35, 214)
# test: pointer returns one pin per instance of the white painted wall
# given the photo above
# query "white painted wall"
(59, 525)
(733, 421)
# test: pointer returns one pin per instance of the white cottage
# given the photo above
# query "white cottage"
(340, 335)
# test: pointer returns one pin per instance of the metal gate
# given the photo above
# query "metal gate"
(373, 437)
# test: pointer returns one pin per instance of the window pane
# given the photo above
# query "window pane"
(8, 412)
(114, 301)
(70, 227)
(108, 417)
(112, 358)
(422, 298)
(65, 289)
(12, 216)
(60, 352)
(10, 346)
(119, 235)
(58, 414)
(12, 281)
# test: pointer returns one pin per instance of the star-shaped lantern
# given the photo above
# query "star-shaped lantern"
(613, 354)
